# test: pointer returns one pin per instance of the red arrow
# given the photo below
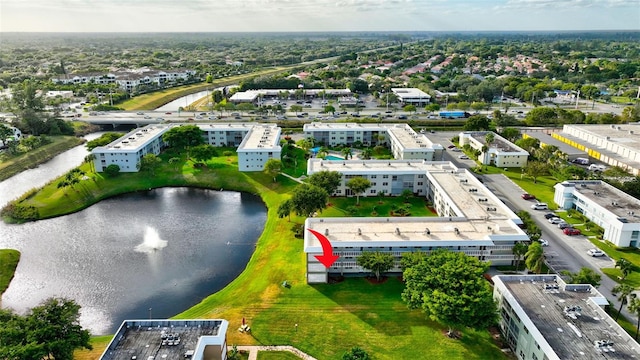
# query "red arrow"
(327, 258)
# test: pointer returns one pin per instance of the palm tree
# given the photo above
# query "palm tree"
(534, 258)
(90, 158)
(625, 267)
(347, 152)
(634, 307)
(519, 250)
(323, 150)
(366, 154)
(624, 290)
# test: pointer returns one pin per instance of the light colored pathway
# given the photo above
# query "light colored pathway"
(291, 177)
(253, 351)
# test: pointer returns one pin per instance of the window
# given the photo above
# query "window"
(374, 176)
(419, 183)
(385, 176)
(385, 184)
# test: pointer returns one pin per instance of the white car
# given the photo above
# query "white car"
(463, 157)
(555, 220)
(540, 206)
(543, 242)
(595, 252)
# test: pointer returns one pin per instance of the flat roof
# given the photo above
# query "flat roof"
(499, 143)
(408, 138)
(261, 136)
(336, 126)
(481, 217)
(615, 201)
(135, 139)
(144, 338)
(622, 135)
(410, 93)
(546, 138)
(570, 332)
(627, 135)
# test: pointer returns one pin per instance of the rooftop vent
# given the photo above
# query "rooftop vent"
(456, 231)
(623, 220)
(326, 232)
(427, 231)
(397, 231)
(359, 231)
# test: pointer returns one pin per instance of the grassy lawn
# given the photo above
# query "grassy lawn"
(375, 206)
(277, 355)
(332, 318)
(12, 165)
(99, 343)
(8, 262)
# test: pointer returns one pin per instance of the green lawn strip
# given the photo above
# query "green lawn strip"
(374, 206)
(99, 343)
(628, 326)
(277, 355)
(9, 259)
(12, 165)
(331, 318)
(154, 100)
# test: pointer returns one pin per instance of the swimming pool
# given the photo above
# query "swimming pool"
(331, 157)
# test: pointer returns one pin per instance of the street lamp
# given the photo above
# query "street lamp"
(150, 313)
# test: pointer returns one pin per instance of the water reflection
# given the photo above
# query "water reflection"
(166, 249)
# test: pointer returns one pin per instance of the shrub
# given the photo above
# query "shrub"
(112, 170)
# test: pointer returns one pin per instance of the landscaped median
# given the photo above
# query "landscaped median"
(330, 318)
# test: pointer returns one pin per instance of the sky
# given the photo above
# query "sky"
(316, 15)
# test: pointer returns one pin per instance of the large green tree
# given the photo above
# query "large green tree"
(358, 185)
(327, 180)
(103, 140)
(203, 152)
(376, 261)
(307, 199)
(535, 169)
(273, 167)
(477, 123)
(450, 288)
(50, 330)
(150, 162)
(181, 137)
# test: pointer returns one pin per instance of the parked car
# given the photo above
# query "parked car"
(543, 242)
(595, 252)
(550, 215)
(168, 113)
(563, 225)
(555, 220)
(463, 157)
(571, 231)
(451, 146)
(455, 149)
(528, 196)
(540, 206)
(140, 113)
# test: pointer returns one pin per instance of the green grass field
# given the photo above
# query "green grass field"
(8, 263)
(332, 318)
(276, 355)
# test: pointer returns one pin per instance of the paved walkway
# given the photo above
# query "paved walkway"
(291, 177)
(253, 351)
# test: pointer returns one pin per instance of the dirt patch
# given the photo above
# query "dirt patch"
(453, 334)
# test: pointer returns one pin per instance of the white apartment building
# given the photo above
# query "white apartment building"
(256, 144)
(470, 218)
(128, 80)
(615, 144)
(543, 318)
(617, 212)
(254, 96)
(405, 143)
(412, 96)
(501, 152)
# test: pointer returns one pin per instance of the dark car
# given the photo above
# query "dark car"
(528, 197)
(451, 146)
(571, 231)
(550, 215)
(402, 117)
(564, 225)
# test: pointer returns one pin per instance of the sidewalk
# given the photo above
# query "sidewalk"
(253, 351)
